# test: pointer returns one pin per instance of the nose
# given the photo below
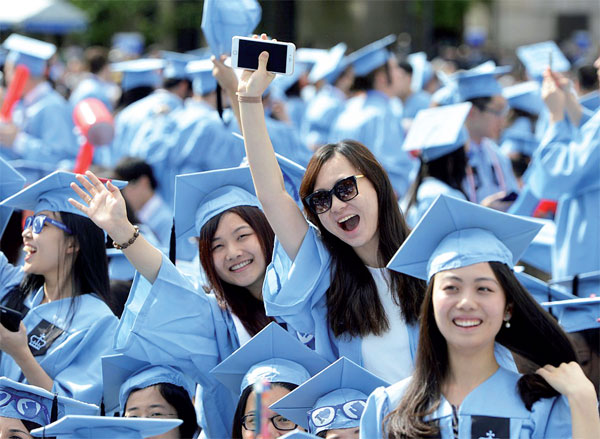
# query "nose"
(233, 251)
(337, 204)
(27, 232)
(466, 301)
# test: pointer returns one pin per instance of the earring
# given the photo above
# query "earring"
(507, 324)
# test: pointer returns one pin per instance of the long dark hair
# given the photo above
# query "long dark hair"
(353, 306)
(238, 300)
(179, 398)
(533, 334)
(450, 169)
(90, 266)
(236, 429)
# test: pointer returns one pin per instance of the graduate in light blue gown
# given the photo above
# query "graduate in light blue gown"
(331, 403)
(137, 389)
(473, 302)
(261, 372)
(411, 92)
(373, 115)
(168, 321)
(42, 124)
(24, 407)
(96, 82)
(63, 292)
(440, 136)
(492, 171)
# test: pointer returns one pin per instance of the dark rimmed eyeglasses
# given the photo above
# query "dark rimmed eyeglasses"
(37, 223)
(278, 421)
(345, 190)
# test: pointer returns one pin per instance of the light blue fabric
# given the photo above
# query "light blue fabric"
(159, 219)
(321, 111)
(375, 120)
(566, 168)
(73, 359)
(92, 87)
(549, 417)
(295, 291)
(428, 191)
(481, 158)
(591, 100)
(519, 137)
(46, 127)
(417, 101)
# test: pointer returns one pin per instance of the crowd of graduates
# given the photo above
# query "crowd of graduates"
(377, 245)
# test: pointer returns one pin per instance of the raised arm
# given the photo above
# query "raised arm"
(105, 206)
(283, 214)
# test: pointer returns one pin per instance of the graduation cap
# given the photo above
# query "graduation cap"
(32, 53)
(144, 72)
(32, 403)
(335, 397)
(525, 96)
(478, 82)
(94, 427)
(372, 56)
(438, 131)
(200, 71)
(330, 65)
(50, 193)
(222, 20)
(582, 285)
(537, 57)
(122, 374)
(577, 314)
(175, 64)
(540, 290)
(272, 355)
(422, 70)
(454, 233)
(202, 195)
(10, 182)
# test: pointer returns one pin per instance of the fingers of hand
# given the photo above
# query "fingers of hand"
(85, 183)
(95, 181)
(82, 194)
(78, 205)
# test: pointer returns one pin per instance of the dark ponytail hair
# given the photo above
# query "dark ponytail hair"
(533, 333)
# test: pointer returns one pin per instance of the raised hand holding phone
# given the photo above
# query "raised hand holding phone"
(254, 83)
(245, 52)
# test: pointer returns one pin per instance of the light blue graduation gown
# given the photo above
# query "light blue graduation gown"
(92, 87)
(416, 102)
(487, 161)
(591, 100)
(519, 137)
(568, 170)
(428, 191)
(46, 128)
(72, 360)
(374, 119)
(496, 397)
(321, 112)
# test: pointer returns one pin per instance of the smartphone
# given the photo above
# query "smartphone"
(10, 319)
(245, 52)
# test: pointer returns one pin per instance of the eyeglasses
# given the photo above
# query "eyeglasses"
(278, 421)
(345, 190)
(26, 407)
(37, 223)
(324, 416)
(500, 113)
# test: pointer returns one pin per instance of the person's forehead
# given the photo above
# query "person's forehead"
(334, 169)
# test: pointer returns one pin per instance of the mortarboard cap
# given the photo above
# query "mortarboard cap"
(298, 434)
(131, 43)
(372, 56)
(583, 285)
(93, 427)
(330, 65)
(422, 70)
(203, 81)
(50, 193)
(221, 21)
(577, 314)
(438, 131)
(32, 53)
(525, 96)
(10, 182)
(447, 94)
(454, 233)
(478, 82)
(175, 64)
(144, 72)
(121, 375)
(537, 57)
(324, 394)
(272, 355)
(540, 290)
(119, 267)
(32, 403)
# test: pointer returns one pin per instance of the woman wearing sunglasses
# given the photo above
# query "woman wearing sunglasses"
(62, 291)
(328, 275)
(474, 301)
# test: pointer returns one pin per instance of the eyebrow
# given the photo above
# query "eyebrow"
(478, 279)
(153, 406)
(216, 238)
(16, 430)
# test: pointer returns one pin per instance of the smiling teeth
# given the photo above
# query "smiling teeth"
(467, 323)
(29, 249)
(346, 218)
(240, 265)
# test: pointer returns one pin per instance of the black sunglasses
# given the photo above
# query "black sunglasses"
(345, 189)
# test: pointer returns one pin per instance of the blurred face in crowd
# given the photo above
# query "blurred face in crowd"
(149, 403)
(489, 121)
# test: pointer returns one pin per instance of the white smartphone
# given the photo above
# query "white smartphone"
(245, 52)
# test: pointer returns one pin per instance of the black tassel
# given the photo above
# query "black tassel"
(219, 102)
(54, 410)
(102, 408)
(173, 245)
(576, 285)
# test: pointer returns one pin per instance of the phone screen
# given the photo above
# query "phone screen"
(248, 52)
